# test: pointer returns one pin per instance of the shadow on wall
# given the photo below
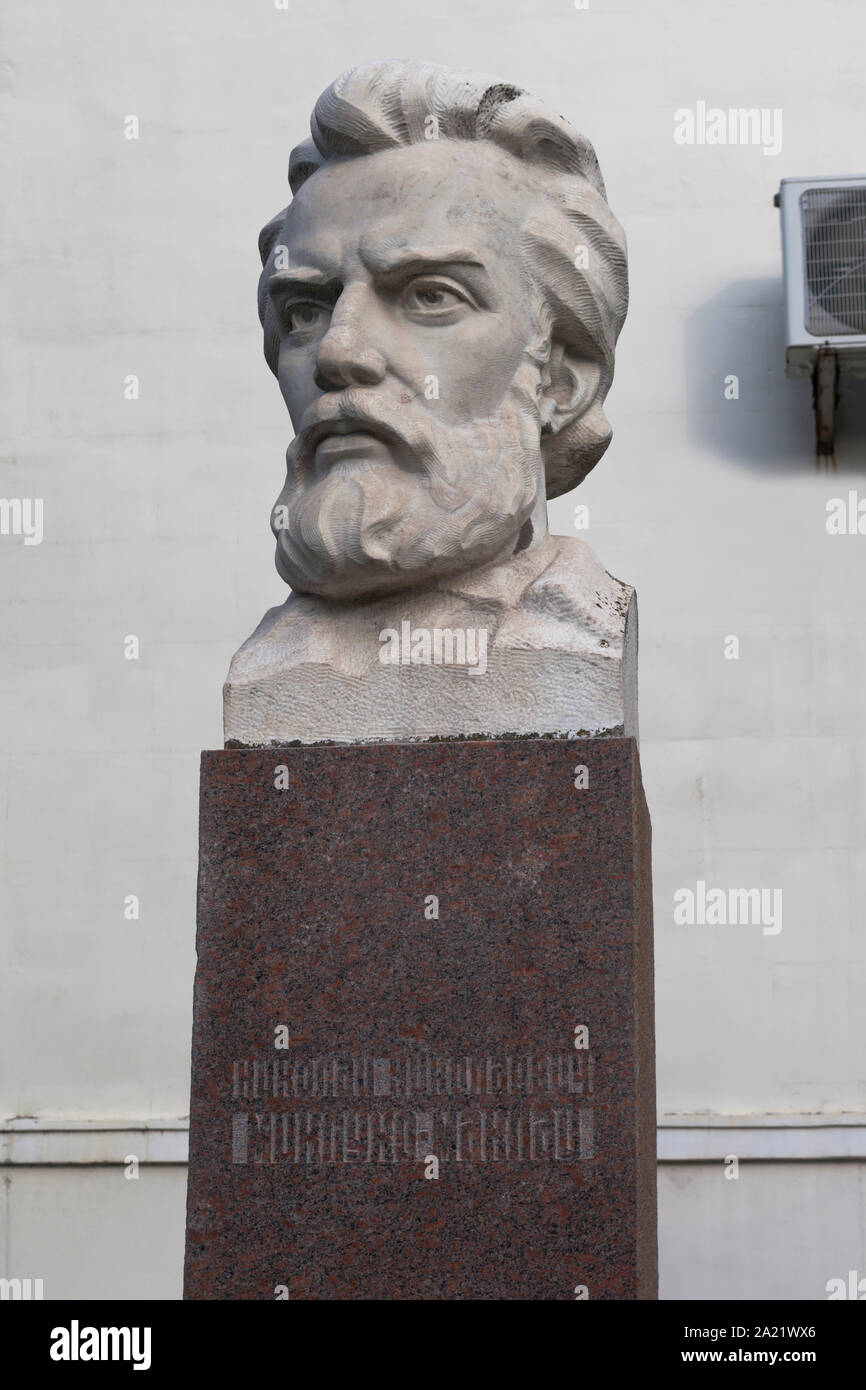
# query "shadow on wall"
(739, 401)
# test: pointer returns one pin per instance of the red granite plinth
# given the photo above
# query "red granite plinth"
(393, 1096)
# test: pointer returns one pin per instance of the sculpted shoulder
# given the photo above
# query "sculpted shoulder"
(572, 605)
(557, 598)
(345, 638)
(292, 633)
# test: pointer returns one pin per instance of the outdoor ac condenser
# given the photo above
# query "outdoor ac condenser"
(824, 253)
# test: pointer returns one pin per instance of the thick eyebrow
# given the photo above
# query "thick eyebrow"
(383, 262)
(303, 280)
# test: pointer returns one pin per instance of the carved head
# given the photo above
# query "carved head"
(440, 302)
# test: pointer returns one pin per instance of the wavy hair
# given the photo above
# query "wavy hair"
(383, 106)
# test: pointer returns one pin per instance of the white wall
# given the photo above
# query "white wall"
(139, 257)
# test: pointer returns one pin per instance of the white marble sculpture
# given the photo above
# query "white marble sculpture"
(440, 303)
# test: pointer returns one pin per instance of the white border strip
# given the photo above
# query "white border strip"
(788, 1143)
(101, 1142)
(681, 1139)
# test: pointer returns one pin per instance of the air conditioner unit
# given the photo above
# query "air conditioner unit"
(824, 254)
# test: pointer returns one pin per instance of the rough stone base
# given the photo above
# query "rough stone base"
(545, 644)
(432, 925)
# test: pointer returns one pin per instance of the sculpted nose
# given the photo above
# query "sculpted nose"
(341, 361)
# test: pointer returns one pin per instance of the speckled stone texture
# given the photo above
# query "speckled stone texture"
(419, 1042)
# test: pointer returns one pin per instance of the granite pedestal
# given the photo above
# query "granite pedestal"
(423, 1062)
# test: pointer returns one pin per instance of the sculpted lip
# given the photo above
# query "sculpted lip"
(349, 438)
(357, 443)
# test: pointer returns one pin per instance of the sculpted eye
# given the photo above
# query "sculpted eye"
(433, 298)
(304, 316)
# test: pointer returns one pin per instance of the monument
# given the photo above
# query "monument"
(423, 1057)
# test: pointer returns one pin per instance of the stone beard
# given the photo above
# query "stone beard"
(440, 315)
(452, 498)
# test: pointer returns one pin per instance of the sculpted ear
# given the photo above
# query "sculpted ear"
(569, 384)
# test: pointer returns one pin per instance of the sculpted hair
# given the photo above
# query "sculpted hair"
(383, 106)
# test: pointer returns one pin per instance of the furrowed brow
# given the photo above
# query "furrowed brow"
(383, 262)
(301, 280)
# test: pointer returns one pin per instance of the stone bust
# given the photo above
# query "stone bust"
(440, 302)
